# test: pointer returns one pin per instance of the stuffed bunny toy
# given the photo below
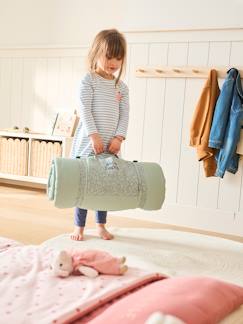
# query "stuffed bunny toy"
(89, 263)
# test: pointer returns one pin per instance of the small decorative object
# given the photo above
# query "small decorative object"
(26, 130)
(118, 96)
(17, 129)
(65, 124)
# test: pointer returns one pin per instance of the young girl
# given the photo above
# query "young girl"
(104, 112)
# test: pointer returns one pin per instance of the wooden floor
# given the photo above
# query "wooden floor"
(27, 216)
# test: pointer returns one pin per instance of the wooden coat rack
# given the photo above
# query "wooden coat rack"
(181, 71)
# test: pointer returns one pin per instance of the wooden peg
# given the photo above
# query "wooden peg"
(141, 70)
(177, 70)
(195, 71)
(159, 71)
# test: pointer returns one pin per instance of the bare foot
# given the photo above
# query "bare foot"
(122, 260)
(103, 233)
(77, 234)
(123, 269)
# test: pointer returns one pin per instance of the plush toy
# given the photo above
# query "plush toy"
(89, 263)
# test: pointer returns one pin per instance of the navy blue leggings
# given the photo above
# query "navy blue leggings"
(80, 217)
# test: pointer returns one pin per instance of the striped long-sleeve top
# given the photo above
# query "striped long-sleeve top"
(104, 109)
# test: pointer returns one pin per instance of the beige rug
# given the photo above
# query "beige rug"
(171, 252)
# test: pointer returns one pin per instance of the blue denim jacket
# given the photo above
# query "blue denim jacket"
(226, 125)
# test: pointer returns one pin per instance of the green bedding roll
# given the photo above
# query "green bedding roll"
(105, 182)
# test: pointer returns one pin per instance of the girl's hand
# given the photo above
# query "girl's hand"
(97, 143)
(115, 145)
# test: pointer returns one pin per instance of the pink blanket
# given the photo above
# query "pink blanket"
(29, 293)
(192, 300)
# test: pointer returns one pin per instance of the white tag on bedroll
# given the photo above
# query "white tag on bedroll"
(240, 144)
(110, 164)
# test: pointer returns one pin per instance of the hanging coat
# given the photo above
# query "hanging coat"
(227, 122)
(201, 124)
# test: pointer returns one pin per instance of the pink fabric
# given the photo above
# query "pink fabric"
(30, 294)
(101, 261)
(194, 300)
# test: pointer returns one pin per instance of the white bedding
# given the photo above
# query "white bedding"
(171, 252)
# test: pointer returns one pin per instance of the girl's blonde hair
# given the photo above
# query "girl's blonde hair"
(111, 43)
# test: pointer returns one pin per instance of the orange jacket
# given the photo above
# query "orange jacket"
(201, 124)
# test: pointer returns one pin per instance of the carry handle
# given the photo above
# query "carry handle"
(103, 153)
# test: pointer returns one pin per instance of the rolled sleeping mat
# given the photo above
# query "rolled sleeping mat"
(105, 182)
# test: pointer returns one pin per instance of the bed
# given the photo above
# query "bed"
(154, 256)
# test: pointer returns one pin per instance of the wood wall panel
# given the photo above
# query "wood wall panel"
(37, 83)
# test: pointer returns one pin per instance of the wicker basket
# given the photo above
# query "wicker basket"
(41, 155)
(14, 155)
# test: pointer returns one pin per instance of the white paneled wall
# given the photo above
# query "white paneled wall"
(37, 83)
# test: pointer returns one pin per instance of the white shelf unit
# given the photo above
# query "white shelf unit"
(65, 143)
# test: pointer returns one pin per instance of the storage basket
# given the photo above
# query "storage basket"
(41, 155)
(14, 155)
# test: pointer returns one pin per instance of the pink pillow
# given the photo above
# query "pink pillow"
(194, 300)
